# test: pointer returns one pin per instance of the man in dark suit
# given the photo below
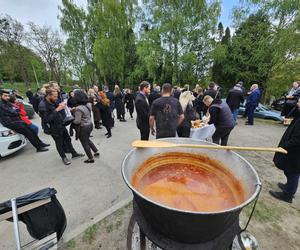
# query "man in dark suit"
(234, 99)
(142, 110)
(213, 91)
(252, 103)
(155, 93)
(289, 163)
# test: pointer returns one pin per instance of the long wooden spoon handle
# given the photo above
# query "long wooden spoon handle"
(165, 144)
(279, 150)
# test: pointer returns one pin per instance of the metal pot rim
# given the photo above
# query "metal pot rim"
(233, 209)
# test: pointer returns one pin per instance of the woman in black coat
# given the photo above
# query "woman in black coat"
(186, 101)
(289, 163)
(129, 102)
(198, 103)
(119, 103)
(105, 111)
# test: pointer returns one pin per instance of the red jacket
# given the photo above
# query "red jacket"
(22, 113)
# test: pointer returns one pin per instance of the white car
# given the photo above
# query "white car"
(10, 141)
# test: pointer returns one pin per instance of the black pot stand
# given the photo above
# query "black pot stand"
(142, 236)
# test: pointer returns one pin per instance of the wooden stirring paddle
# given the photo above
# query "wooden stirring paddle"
(164, 144)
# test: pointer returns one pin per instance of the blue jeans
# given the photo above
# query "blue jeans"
(291, 184)
(34, 128)
(235, 114)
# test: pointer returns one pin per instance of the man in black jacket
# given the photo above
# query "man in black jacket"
(213, 91)
(289, 163)
(221, 117)
(10, 118)
(142, 110)
(29, 95)
(155, 93)
(53, 120)
(234, 99)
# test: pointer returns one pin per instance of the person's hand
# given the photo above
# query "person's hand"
(60, 107)
(73, 109)
(289, 97)
(205, 119)
(152, 131)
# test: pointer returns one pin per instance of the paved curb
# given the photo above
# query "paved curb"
(80, 229)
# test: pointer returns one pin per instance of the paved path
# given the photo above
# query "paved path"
(86, 191)
(83, 190)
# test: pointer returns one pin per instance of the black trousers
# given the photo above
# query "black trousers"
(145, 131)
(62, 141)
(97, 116)
(87, 144)
(183, 131)
(24, 129)
(221, 134)
(121, 117)
(108, 128)
(250, 113)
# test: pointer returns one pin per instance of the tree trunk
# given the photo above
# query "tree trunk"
(175, 72)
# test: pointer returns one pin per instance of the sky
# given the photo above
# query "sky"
(45, 12)
(41, 12)
(227, 6)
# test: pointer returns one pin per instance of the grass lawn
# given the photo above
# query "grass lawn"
(22, 87)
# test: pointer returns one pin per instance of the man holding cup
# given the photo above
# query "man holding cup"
(50, 112)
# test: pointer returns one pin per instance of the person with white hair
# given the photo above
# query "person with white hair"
(186, 101)
(155, 93)
(291, 100)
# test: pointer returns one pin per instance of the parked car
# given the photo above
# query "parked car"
(263, 112)
(27, 106)
(29, 109)
(10, 141)
(278, 104)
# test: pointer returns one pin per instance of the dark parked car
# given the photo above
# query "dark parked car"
(278, 104)
(263, 112)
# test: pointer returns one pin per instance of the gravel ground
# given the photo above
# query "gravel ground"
(275, 224)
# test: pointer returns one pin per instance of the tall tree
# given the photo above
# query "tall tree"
(285, 31)
(16, 61)
(112, 40)
(78, 26)
(48, 45)
(226, 38)
(249, 57)
(220, 31)
(185, 28)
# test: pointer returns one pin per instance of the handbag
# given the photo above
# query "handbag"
(69, 117)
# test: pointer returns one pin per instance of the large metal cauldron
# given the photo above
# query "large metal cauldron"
(185, 226)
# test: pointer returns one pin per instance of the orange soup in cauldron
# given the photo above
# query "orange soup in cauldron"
(190, 182)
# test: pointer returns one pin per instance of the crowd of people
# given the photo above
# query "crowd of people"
(171, 111)
(165, 111)
(82, 109)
